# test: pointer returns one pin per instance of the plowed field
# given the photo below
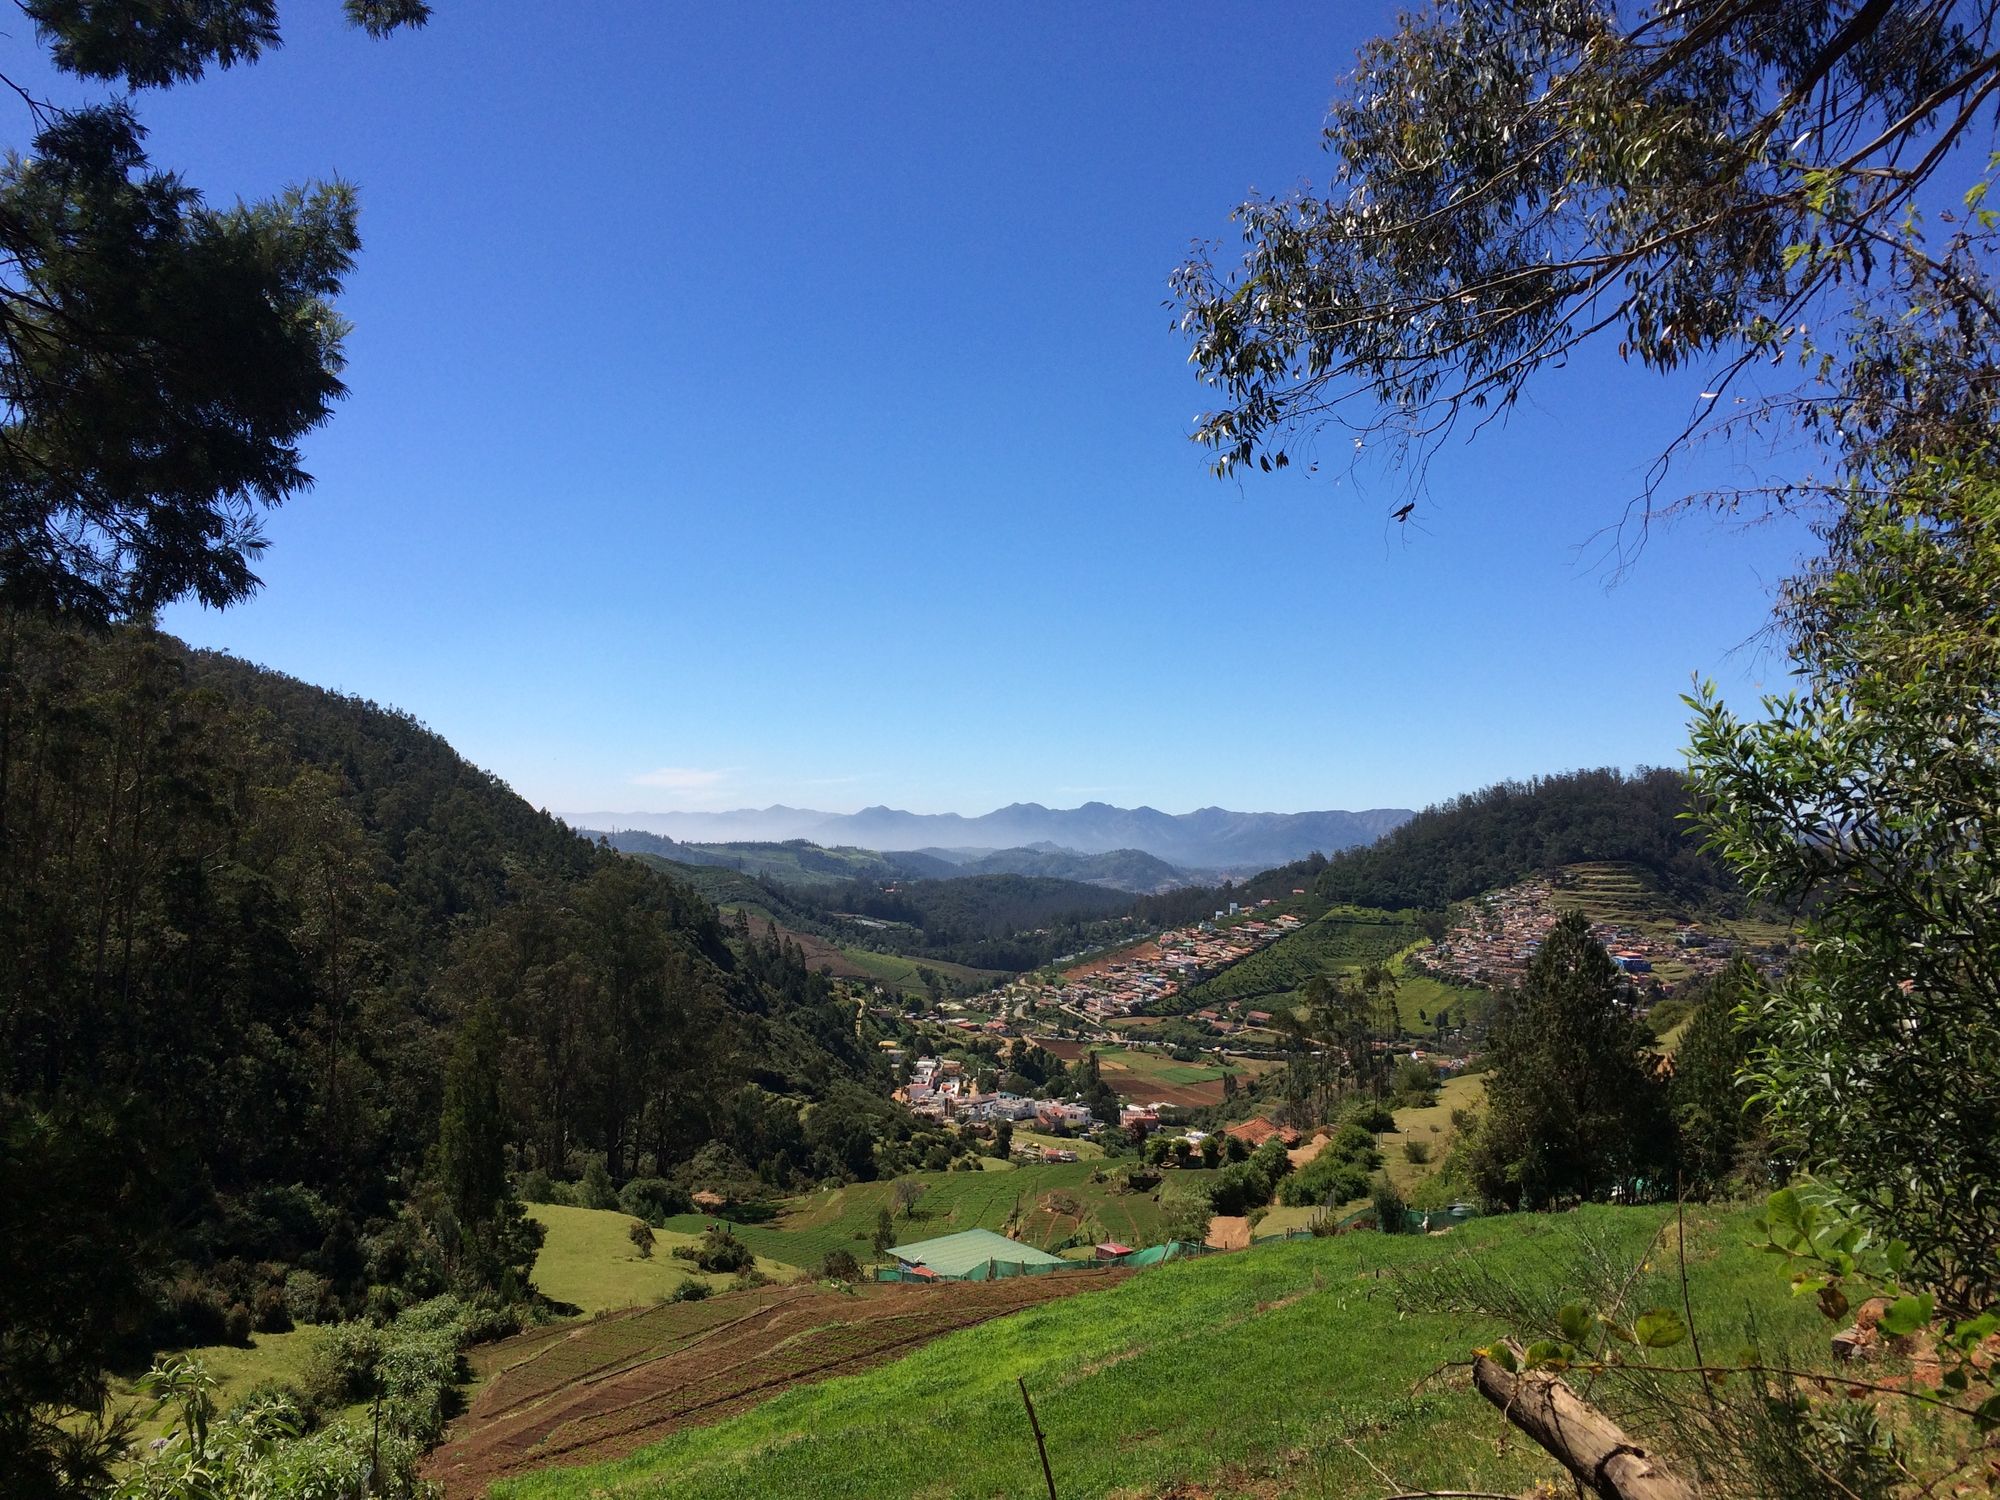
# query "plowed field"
(612, 1385)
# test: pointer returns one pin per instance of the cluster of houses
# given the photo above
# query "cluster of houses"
(1502, 931)
(941, 1089)
(1136, 977)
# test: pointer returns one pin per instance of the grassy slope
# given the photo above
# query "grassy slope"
(239, 1368)
(1284, 1370)
(1345, 938)
(588, 1259)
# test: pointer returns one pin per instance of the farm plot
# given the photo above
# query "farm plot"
(616, 1384)
(1344, 939)
(1038, 1205)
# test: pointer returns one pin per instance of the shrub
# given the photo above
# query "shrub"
(1417, 1152)
(1391, 1213)
(1239, 1188)
(536, 1187)
(236, 1324)
(655, 1200)
(1327, 1178)
(268, 1312)
(840, 1265)
(282, 1400)
(1372, 1118)
(641, 1235)
(718, 1251)
(595, 1190)
(690, 1291)
(341, 1364)
(306, 1297)
(1353, 1141)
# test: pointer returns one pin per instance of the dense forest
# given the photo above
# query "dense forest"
(1013, 922)
(1515, 829)
(245, 924)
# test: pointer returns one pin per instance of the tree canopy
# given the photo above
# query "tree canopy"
(1701, 185)
(160, 359)
(1576, 1108)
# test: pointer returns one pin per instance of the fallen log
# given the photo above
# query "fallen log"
(1583, 1440)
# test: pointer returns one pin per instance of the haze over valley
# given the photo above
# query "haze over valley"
(1208, 841)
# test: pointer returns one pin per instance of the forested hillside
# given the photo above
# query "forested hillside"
(245, 922)
(1514, 829)
(1013, 922)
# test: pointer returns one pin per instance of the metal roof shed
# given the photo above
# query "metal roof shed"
(955, 1255)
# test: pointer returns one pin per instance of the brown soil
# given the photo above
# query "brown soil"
(610, 1386)
(1228, 1232)
(1139, 1088)
(1141, 954)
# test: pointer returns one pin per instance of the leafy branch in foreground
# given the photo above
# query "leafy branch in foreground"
(1699, 185)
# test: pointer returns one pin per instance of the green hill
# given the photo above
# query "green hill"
(1509, 831)
(242, 923)
(1316, 1367)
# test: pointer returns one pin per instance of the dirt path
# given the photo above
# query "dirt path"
(617, 1383)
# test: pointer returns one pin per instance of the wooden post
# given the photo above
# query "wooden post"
(1036, 1427)
(1580, 1438)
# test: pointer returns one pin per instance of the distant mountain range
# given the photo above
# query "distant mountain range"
(798, 862)
(1211, 838)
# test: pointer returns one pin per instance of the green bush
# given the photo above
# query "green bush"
(1327, 1178)
(690, 1291)
(341, 1364)
(718, 1251)
(1391, 1213)
(537, 1187)
(595, 1190)
(1239, 1188)
(306, 1297)
(840, 1265)
(1416, 1152)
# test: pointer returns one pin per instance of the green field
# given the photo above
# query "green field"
(1016, 1202)
(238, 1368)
(1419, 998)
(1343, 940)
(1286, 1369)
(1085, 1150)
(588, 1260)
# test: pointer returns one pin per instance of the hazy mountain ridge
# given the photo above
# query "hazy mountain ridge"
(799, 862)
(1210, 838)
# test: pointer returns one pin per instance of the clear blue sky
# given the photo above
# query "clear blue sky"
(777, 403)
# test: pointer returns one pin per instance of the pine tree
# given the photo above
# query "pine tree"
(1576, 1107)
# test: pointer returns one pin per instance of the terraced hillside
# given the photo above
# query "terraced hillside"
(1345, 939)
(584, 1394)
(1296, 1369)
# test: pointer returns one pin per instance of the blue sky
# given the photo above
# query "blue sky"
(774, 403)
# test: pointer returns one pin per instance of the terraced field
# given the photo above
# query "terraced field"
(584, 1394)
(1344, 939)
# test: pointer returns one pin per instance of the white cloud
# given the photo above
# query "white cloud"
(679, 778)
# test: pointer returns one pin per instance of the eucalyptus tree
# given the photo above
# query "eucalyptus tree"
(1701, 186)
